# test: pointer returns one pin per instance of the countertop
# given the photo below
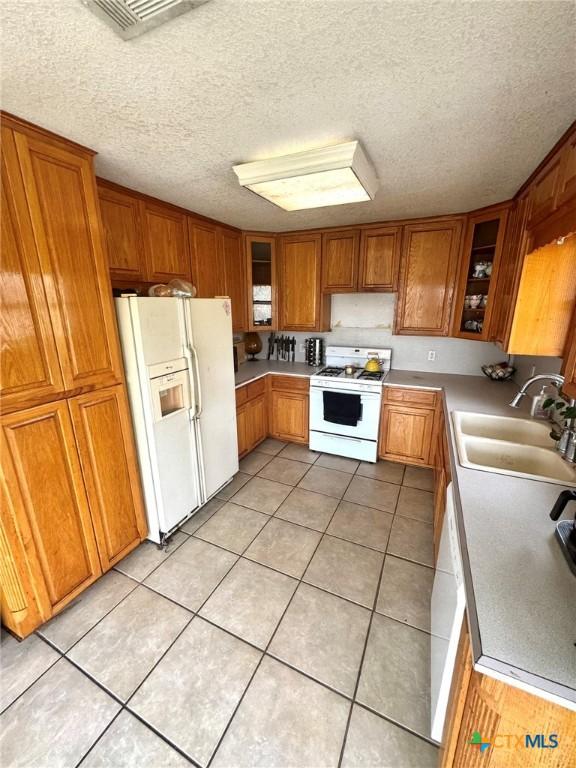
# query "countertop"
(251, 370)
(520, 592)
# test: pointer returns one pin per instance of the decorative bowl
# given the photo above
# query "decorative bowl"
(498, 371)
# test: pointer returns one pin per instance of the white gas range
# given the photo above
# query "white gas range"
(345, 402)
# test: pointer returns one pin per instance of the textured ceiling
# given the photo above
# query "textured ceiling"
(455, 102)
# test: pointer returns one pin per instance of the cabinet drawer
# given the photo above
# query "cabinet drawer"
(410, 396)
(241, 395)
(291, 383)
(256, 388)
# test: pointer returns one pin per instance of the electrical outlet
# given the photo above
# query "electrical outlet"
(432, 355)
(302, 347)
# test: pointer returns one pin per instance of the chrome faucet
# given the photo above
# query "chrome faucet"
(566, 439)
(555, 378)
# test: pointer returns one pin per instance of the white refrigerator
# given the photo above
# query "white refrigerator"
(180, 374)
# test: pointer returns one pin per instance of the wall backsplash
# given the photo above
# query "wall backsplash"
(366, 319)
(527, 366)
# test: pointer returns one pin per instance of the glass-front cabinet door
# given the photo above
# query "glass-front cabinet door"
(261, 275)
(480, 261)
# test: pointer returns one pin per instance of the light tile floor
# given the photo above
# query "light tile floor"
(286, 625)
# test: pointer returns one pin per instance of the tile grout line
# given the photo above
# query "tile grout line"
(265, 653)
(75, 643)
(195, 614)
(124, 704)
(362, 658)
(40, 676)
(397, 723)
(384, 552)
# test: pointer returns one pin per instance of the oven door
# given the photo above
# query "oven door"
(367, 426)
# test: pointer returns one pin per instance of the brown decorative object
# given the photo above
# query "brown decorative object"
(252, 344)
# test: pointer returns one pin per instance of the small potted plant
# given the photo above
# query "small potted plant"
(566, 437)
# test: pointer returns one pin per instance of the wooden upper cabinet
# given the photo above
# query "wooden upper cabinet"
(207, 259)
(482, 246)
(44, 483)
(29, 360)
(569, 362)
(165, 242)
(261, 281)
(545, 301)
(235, 276)
(122, 224)
(61, 198)
(103, 430)
(379, 259)
(567, 188)
(427, 276)
(543, 196)
(340, 252)
(508, 277)
(302, 307)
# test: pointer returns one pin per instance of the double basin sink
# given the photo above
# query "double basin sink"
(510, 446)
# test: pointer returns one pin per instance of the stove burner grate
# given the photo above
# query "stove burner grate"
(371, 375)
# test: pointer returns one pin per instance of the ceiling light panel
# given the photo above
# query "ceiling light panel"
(315, 179)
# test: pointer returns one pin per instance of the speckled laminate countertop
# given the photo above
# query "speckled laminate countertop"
(250, 371)
(520, 593)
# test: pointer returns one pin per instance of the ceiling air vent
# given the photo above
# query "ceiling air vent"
(130, 18)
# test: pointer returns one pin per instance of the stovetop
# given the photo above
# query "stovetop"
(359, 374)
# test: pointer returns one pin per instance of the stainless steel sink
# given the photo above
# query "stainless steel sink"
(509, 446)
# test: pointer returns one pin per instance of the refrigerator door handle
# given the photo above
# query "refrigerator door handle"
(192, 358)
(191, 383)
(197, 386)
(200, 460)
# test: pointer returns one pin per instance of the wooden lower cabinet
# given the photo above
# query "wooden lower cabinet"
(502, 715)
(275, 406)
(442, 476)
(407, 426)
(289, 408)
(71, 502)
(108, 457)
(47, 526)
(242, 429)
(251, 415)
(257, 421)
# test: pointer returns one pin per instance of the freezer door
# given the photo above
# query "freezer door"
(209, 332)
(159, 334)
(177, 482)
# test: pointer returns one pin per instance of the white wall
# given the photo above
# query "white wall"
(527, 366)
(366, 319)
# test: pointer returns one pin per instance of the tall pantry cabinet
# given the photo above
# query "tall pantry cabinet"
(71, 501)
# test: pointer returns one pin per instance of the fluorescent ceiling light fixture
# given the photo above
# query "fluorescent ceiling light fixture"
(329, 176)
